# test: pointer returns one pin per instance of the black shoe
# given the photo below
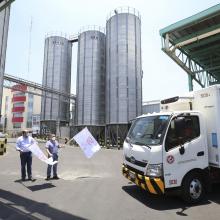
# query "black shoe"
(31, 179)
(48, 178)
(56, 178)
(23, 179)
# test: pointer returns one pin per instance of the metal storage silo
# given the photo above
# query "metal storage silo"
(90, 89)
(4, 23)
(56, 75)
(123, 66)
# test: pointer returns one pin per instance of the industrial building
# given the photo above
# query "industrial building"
(123, 72)
(193, 43)
(20, 110)
(109, 71)
(109, 78)
(55, 109)
(123, 66)
(90, 83)
(90, 88)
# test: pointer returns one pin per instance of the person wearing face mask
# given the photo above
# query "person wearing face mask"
(22, 145)
(52, 149)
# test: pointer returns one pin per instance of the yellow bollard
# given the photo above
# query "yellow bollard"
(1, 147)
(5, 147)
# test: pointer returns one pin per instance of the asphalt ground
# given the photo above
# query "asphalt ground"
(88, 189)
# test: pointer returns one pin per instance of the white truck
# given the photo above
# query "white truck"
(178, 149)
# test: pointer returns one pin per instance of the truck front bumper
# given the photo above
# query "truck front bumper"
(150, 184)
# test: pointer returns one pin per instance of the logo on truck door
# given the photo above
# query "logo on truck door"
(170, 159)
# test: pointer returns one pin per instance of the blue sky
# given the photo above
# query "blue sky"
(162, 77)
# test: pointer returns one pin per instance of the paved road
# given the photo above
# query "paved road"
(88, 189)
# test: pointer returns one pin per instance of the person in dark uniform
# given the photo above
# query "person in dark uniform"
(22, 144)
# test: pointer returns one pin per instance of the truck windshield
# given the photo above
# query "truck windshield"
(148, 130)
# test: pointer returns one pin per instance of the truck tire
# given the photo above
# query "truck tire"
(193, 188)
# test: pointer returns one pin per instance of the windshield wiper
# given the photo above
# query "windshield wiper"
(128, 140)
(142, 144)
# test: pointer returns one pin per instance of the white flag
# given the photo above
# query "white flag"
(87, 142)
(34, 148)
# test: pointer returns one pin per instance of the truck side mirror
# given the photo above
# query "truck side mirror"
(182, 149)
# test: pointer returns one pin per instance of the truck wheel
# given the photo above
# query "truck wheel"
(193, 188)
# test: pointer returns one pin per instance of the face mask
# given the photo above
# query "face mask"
(53, 138)
(25, 135)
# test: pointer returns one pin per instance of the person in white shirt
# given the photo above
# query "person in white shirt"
(22, 144)
(52, 149)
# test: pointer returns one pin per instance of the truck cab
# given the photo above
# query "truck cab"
(175, 150)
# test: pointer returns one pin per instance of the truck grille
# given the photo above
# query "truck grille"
(136, 162)
(135, 170)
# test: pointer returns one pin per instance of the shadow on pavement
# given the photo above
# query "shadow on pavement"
(153, 201)
(214, 196)
(13, 206)
(35, 187)
(169, 202)
(40, 187)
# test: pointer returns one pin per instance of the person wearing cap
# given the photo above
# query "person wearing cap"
(22, 144)
(52, 146)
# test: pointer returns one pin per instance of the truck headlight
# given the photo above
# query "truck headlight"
(154, 170)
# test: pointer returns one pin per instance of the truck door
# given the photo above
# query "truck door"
(184, 148)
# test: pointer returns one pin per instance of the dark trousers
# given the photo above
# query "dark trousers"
(26, 159)
(55, 157)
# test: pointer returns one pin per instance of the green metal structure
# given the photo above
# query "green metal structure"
(5, 3)
(194, 44)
